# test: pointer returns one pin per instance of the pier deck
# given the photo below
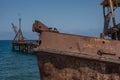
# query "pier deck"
(25, 47)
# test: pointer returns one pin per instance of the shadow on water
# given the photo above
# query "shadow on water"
(15, 65)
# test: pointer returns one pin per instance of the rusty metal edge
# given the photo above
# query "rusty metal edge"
(79, 55)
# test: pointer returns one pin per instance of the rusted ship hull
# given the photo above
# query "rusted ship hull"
(71, 57)
(62, 67)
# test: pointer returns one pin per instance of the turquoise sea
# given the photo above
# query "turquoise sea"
(15, 65)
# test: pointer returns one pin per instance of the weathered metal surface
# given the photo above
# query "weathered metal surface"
(73, 57)
(115, 3)
(40, 27)
(80, 44)
(111, 20)
(63, 67)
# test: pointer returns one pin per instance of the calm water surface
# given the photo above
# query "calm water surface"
(17, 66)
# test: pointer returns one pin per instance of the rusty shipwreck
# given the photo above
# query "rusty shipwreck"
(71, 57)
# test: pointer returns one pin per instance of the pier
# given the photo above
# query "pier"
(24, 47)
(19, 43)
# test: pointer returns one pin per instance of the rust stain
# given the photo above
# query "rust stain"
(58, 67)
(72, 57)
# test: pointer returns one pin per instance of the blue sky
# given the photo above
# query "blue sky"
(81, 17)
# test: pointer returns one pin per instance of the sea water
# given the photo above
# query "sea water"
(15, 65)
